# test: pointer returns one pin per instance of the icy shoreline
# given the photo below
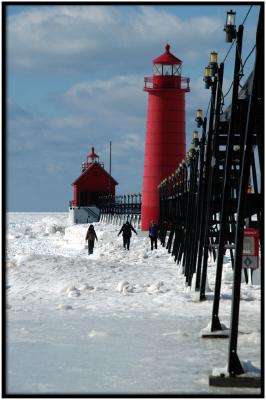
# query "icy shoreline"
(115, 321)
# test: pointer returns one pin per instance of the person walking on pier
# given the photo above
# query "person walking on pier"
(91, 236)
(127, 229)
(153, 234)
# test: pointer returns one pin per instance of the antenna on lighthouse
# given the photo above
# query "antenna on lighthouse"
(110, 158)
(110, 162)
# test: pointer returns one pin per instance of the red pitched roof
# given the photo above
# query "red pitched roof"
(167, 57)
(90, 168)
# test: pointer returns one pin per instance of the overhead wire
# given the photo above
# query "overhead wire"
(229, 50)
(244, 63)
(228, 91)
(247, 15)
(241, 74)
(249, 54)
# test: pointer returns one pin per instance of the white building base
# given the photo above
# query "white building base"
(84, 215)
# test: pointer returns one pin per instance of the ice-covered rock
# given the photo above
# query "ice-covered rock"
(64, 307)
(85, 286)
(11, 264)
(124, 287)
(121, 285)
(155, 287)
(73, 292)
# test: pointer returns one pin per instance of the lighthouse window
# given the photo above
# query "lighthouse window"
(167, 69)
(157, 69)
(177, 69)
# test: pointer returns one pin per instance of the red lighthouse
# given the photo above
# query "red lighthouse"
(93, 183)
(165, 143)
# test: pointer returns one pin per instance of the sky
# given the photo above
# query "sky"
(75, 79)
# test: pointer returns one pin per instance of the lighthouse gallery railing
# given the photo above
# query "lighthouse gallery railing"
(179, 83)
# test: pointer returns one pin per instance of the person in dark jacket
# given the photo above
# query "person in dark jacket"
(153, 234)
(91, 236)
(127, 229)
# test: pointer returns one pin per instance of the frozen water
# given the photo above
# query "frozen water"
(116, 321)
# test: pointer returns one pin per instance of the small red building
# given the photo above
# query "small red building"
(93, 183)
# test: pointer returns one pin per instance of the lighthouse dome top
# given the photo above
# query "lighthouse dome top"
(167, 57)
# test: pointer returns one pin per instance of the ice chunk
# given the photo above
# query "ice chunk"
(121, 285)
(94, 333)
(155, 287)
(73, 292)
(64, 307)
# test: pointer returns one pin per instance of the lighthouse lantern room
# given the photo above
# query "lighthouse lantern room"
(93, 183)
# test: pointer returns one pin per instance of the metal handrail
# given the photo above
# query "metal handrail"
(179, 82)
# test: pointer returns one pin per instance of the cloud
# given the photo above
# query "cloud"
(121, 95)
(116, 109)
(92, 113)
(108, 38)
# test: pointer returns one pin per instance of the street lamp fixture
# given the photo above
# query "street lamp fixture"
(195, 138)
(213, 57)
(249, 189)
(192, 150)
(230, 28)
(213, 62)
(198, 118)
(207, 77)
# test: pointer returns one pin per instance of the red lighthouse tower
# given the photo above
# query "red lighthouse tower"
(165, 130)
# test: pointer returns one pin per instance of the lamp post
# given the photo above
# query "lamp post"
(209, 82)
(201, 210)
(234, 365)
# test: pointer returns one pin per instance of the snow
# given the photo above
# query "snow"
(116, 321)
